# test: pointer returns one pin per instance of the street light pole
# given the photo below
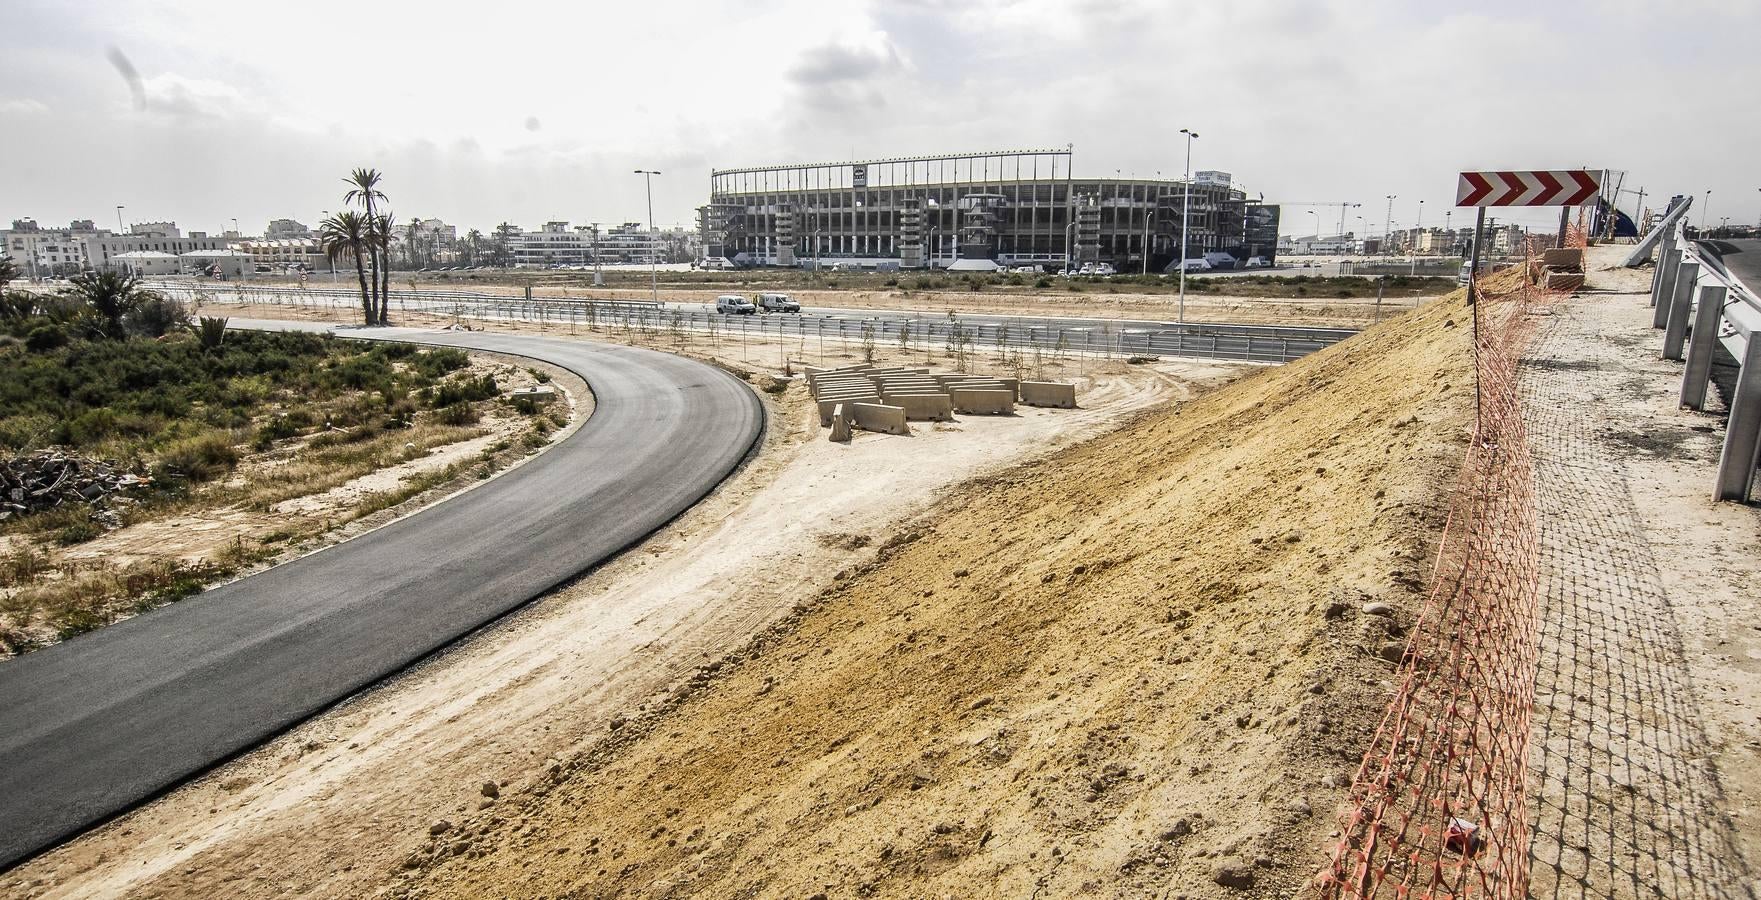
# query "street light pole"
(1185, 219)
(653, 276)
(1388, 226)
(598, 277)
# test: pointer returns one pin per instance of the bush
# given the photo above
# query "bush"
(201, 458)
(157, 316)
(78, 533)
(46, 337)
(436, 363)
(459, 413)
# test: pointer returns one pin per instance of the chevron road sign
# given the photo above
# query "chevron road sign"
(1570, 187)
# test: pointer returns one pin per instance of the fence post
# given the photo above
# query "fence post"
(1686, 275)
(1664, 247)
(1701, 345)
(1669, 262)
(1736, 464)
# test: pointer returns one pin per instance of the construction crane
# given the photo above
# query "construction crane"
(1342, 204)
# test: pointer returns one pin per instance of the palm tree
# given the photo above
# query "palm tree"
(110, 296)
(381, 233)
(413, 242)
(365, 191)
(8, 272)
(346, 233)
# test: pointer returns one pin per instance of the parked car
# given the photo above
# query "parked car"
(1104, 269)
(1466, 274)
(734, 304)
(778, 303)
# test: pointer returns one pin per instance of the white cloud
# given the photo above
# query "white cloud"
(1329, 100)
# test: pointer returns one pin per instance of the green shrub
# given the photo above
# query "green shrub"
(436, 363)
(78, 533)
(46, 337)
(459, 413)
(201, 458)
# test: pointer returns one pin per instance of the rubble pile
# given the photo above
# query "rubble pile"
(49, 478)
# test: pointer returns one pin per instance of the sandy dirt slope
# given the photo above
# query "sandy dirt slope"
(335, 807)
(1141, 667)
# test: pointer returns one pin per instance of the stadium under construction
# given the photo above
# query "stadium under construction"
(1011, 207)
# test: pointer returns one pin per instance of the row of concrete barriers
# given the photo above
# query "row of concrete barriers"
(887, 400)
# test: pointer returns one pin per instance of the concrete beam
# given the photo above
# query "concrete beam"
(1742, 436)
(1702, 344)
(1642, 252)
(1667, 266)
(1687, 278)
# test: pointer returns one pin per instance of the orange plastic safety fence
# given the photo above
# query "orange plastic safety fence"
(1439, 808)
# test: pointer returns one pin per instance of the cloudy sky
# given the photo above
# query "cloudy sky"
(480, 112)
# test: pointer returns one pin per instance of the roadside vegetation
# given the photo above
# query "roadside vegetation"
(206, 422)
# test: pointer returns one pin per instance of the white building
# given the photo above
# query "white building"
(145, 262)
(103, 249)
(225, 263)
(280, 255)
(286, 229)
(44, 253)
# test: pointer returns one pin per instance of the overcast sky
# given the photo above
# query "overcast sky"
(533, 111)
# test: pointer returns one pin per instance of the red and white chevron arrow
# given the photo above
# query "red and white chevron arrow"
(1570, 187)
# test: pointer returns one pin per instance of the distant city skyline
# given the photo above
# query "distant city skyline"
(204, 113)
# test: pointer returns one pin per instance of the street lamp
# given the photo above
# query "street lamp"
(1317, 229)
(653, 277)
(929, 250)
(1186, 219)
(1703, 208)
(1388, 226)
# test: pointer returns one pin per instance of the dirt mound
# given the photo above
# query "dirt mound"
(1149, 663)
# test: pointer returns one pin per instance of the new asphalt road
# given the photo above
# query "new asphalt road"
(93, 726)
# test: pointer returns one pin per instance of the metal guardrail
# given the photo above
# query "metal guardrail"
(1701, 306)
(1239, 343)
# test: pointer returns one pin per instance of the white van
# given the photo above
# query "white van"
(734, 305)
(778, 303)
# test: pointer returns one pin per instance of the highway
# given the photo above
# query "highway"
(1070, 334)
(1742, 258)
(93, 726)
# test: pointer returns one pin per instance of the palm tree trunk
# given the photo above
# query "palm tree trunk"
(366, 301)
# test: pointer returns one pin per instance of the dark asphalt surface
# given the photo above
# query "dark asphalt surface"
(1742, 258)
(94, 726)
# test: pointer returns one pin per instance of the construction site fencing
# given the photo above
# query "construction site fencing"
(1087, 337)
(1439, 806)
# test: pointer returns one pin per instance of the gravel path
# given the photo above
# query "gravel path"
(1627, 798)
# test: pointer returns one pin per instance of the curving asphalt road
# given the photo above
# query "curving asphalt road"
(93, 726)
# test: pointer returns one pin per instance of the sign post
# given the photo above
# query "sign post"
(1565, 188)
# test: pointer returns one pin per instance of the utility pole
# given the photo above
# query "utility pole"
(1186, 219)
(653, 272)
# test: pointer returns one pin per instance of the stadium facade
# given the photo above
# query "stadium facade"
(1014, 207)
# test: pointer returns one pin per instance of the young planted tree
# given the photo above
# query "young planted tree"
(344, 235)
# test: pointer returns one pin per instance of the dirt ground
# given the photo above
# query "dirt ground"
(1139, 667)
(1647, 744)
(335, 807)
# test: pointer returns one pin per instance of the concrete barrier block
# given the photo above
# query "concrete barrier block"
(877, 417)
(829, 405)
(924, 407)
(983, 401)
(1013, 384)
(840, 424)
(1054, 394)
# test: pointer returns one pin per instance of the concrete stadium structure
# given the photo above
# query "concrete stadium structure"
(1013, 207)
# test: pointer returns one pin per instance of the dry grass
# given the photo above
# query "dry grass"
(333, 464)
